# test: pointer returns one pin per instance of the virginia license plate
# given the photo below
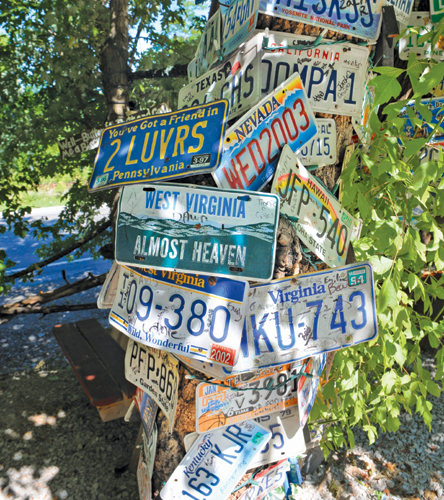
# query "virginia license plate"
(333, 75)
(219, 406)
(238, 21)
(436, 106)
(252, 145)
(410, 42)
(206, 55)
(323, 226)
(216, 462)
(199, 316)
(237, 80)
(267, 480)
(321, 150)
(198, 230)
(298, 317)
(160, 147)
(155, 372)
(360, 19)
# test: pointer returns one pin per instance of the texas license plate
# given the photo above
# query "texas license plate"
(411, 42)
(199, 316)
(362, 20)
(238, 21)
(206, 55)
(321, 150)
(298, 317)
(333, 75)
(237, 80)
(155, 372)
(219, 406)
(322, 225)
(436, 107)
(216, 462)
(198, 230)
(252, 144)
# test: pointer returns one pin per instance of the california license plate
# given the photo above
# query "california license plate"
(216, 462)
(333, 75)
(238, 21)
(198, 230)
(321, 150)
(322, 225)
(362, 20)
(411, 42)
(160, 147)
(199, 316)
(298, 317)
(253, 144)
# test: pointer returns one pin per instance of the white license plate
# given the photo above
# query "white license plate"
(301, 316)
(155, 372)
(216, 462)
(219, 406)
(199, 316)
(321, 150)
(333, 75)
(149, 449)
(410, 43)
(206, 55)
(287, 438)
(403, 9)
(237, 80)
(108, 292)
(322, 225)
(308, 386)
(267, 480)
(213, 370)
(238, 21)
(360, 123)
(143, 480)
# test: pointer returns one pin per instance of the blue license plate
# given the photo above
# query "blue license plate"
(238, 22)
(436, 107)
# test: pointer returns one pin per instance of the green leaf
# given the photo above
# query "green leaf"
(386, 87)
(387, 296)
(415, 68)
(413, 146)
(424, 174)
(351, 438)
(363, 206)
(433, 388)
(388, 380)
(388, 70)
(350, 382)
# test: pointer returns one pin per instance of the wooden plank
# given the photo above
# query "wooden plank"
(115, 410)
(108, 351)
(93, 377)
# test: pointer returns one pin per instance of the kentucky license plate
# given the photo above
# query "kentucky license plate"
(333, 75)
(411, 42)
(198, 230)
(216, 462)
(321, 150)
(199, 316)
(294, 318)
(361, 19)
(160, 147)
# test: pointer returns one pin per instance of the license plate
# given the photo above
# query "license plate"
(109, 288)
(360, 20)
(181, 313)
(434, 105)
(360, 123)
(198, 230)
(410, 43)
(298, 317)
(321, 150)
(436, 10)
(155, 372)
(160, 147)
(143, 481)
(267, 480)
(322, 225)
(206, 55)
(237, 80)
(333, 75)
(147, 408)
(219, 406)
(238, 22)
(216, 462)
(403, 9)
(149, 449)
(308, 386)
(209, 369)
(252, 144)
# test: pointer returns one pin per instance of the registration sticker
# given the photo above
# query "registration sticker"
(410, 42)
(216, 462)
(238, 21)
(321, 226)
(321, 150)
(221, 354)
(252, 145)
(155, 372)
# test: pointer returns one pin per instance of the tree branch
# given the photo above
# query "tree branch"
(171, 72)
(49, 310)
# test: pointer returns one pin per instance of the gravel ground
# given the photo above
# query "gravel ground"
(55, 446)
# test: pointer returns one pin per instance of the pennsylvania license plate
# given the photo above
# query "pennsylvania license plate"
(216, 462)
(160, 147)
(322, 225)
(199, 316)
(253, 144)
(219, 406)
(298, 317)
(155, 372)
(321, 150)
(198, 230)
(238, 22)
(237, 80)
(411, 42)
(436, 107)
(206, 55)
(333, 75)
(360, 19)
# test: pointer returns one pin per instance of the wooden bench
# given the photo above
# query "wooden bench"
(98, 361)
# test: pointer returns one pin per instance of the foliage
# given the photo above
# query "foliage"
(384, 183)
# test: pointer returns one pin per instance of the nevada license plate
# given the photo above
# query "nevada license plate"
(411, 41)
(252, 144)
(238, 21)
(220, 406)
(436, 106)
(198, 230)
(216, 462)
(199, 316)
(206, 55)
(362, 20)
(333, 75)
(294, 318)
(237, 80)
(321, 150)
(322, 225)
